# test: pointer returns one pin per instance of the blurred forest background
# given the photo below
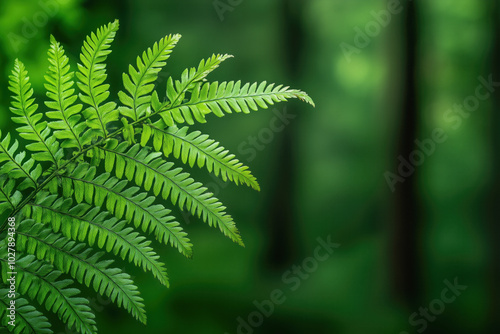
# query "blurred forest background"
(378, 86)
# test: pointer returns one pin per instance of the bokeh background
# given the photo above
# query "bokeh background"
(380, 82)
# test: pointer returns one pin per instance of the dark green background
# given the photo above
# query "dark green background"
(324, 174)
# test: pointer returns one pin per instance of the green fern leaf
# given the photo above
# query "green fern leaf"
(28, 319)
(10, 197)
(177, 91)
(83, 223)
(82, 264)
(197, 148)
(41, 282)
(62, 99)
(13, 164)
(123, 201)
(226, 97)
(140, 83)
(92, 75)
(23, 106)
(150, 171)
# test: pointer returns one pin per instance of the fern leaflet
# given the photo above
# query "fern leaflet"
(24, 108)
(82, 264)
(83, 223)
(41, 282)
(28, 319)
(149, 171)
(197, 148)
(139, 83)
(59, 90)
(92, 75)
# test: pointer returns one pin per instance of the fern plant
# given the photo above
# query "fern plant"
(85, 187)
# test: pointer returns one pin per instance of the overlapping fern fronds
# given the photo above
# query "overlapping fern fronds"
(90, 184)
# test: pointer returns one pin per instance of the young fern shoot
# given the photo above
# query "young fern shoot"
(95, 179)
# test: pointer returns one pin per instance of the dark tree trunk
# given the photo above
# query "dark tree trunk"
(494, 214)
(281, 214)
(405, 265)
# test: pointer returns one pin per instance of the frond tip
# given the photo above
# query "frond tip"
(225, 97)
(140, 82)
(197, 148)
(125, 202)
(62, 98)
(45, 146)
(91, 76)
(151, 172)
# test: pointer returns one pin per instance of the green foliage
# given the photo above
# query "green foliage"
(92, 75)
(28, 319)
(197, 148)
(84, 189)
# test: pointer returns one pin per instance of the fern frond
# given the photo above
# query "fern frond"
(10, 197)
(60, 92)
(83, 265)
(91, 76)
(123, 201)
(197, 148)
(69, 217)
(140, 83)
(28, 319)
(46, 145)
(225, 97)
(150, 171)
(176, 91)
(41, 282)
(13, 164)
(84, 223)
